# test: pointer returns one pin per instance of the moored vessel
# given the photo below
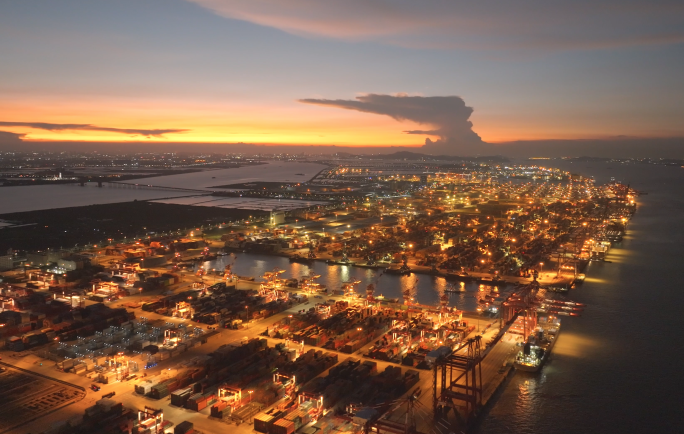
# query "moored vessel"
(538, 345)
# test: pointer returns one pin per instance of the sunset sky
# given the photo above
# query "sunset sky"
(290, 71)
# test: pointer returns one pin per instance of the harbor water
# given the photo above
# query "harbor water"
(334, 276)
(617, 368)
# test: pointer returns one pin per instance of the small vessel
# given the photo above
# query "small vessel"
(372, 265)
(452, 289)
(496, 281)
(342, 261)
(559, 289)
(538, 345)
(404, 270)
(301, 259)
(462, 277)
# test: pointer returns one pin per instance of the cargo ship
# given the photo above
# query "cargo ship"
(404, 270)
(538, 346)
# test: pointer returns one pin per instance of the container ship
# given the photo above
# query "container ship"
(538, 345)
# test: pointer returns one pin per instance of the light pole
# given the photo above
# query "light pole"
(541, 269)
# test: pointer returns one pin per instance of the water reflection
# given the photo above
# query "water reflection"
(332, 276)
(574, 345)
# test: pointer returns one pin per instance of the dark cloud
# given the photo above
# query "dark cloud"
(447, 115)
(7, 138)
(423, 132)
(88, 127)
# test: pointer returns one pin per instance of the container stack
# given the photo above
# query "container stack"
(184, 428)
(180, 397)
(283, 426)
(263, 422)
(220, 410)
(197, 402)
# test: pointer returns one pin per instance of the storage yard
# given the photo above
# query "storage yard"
(26, 396)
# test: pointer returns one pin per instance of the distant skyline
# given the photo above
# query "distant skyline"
(461, 78)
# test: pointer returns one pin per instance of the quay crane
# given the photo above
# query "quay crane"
(409, 293)
(531, 298)
(272, 285)
(407, 415)
(348, 287)
(308, 283)
(370, 289)
(272, 278)
(444, 299)
(228, 270)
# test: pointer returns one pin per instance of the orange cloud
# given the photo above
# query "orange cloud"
(485, 24)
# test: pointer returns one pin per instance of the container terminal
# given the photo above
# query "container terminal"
(142, 337)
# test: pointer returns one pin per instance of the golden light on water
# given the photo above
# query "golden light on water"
(620, 256)
(573, 345)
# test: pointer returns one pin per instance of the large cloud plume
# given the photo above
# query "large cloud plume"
(467, 24)
(88, 127)
(447, 117)
(11, 139)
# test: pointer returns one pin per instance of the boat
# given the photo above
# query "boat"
(559, 289)
(340, 262)
(404, 270)
(462, 277)
(496, 281)
(374, 265)
(567, 303)
(301, 259)
(344, 261)
(538, 345)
